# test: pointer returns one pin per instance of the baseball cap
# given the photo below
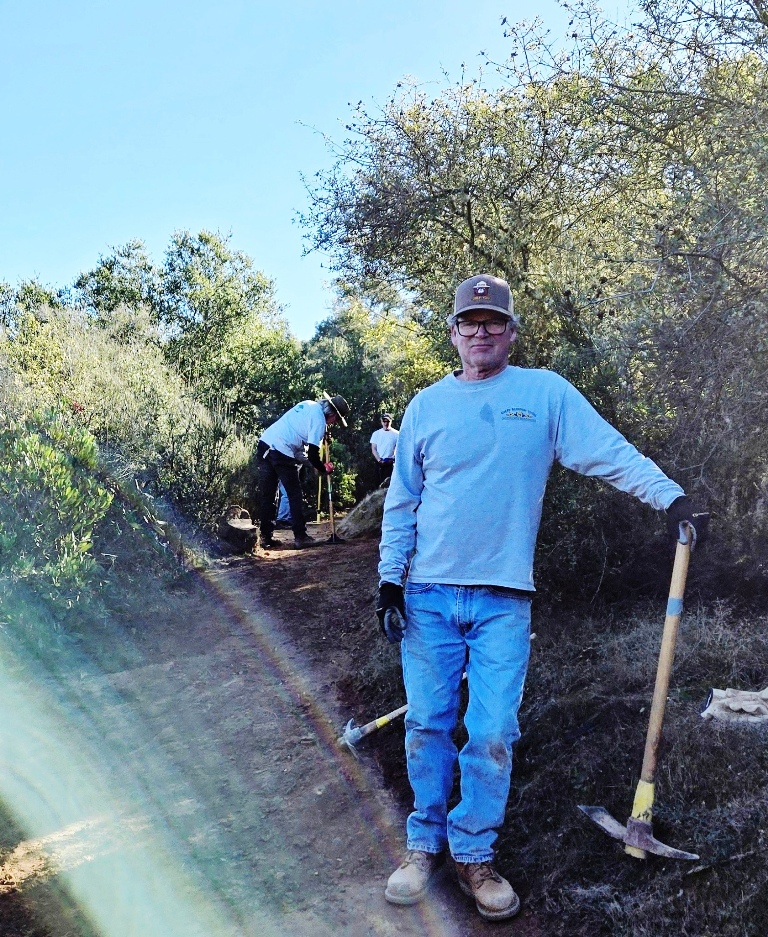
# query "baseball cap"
(386, 416)
(483, 292)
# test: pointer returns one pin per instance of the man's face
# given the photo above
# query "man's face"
(483, 351)
(385, 424)
(331, 419)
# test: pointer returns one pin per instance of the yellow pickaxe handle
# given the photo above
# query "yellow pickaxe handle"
(642, 809)
(330, 487)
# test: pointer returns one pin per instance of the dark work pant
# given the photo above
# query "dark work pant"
(275, 468)
(385, 469)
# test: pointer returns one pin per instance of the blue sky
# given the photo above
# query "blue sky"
(126, 120)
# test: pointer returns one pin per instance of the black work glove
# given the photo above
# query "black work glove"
(681, 510)
(391, 611)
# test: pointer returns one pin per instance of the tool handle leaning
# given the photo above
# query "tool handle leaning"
(353, 733)
(330, 488)
(642, 808)
(666, 656)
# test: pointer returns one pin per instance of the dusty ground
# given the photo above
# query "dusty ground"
(192, 783)
(173, 770)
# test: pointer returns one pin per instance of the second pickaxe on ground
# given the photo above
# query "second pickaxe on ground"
(352, 733)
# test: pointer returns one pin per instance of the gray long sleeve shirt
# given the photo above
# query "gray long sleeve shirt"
(473, 457)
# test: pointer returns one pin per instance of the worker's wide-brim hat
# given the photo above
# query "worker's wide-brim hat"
(483, 292)
(340, 405)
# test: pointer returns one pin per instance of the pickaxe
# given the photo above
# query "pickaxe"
(637, 835)
(334, 538)
(353, 734)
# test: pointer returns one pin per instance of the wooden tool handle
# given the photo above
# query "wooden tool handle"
(666, 656)
(330, 487)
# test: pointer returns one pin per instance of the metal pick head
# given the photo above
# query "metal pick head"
(605, 821)
(350, 737)
(637, 833)
(686, 532)
(640, 835)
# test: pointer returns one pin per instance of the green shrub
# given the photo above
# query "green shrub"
(344, 489)
(201, 462)
(50, 501)
(110, 378)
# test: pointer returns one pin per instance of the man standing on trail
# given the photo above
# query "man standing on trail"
(283, 448)
(383, 446)
(460, 523)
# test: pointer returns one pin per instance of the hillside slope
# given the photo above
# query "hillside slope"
(184, 751)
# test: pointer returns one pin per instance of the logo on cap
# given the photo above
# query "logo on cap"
(481, 290)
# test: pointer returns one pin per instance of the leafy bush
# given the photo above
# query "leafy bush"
(111, 380)
(220, 324)
(50, 500)
(202, 461)
(344, 490)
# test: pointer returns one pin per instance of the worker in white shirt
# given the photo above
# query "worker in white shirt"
(383, 446)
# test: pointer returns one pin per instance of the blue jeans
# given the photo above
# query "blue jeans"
(485, 630)
(283, 507)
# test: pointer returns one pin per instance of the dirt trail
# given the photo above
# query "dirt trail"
(207, 793)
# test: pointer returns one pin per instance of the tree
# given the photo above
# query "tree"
(209, 292)
(7, 305)
(616, 184)
(125, 278)
(372, 350)
(214, 315)
(225, 331)
(257, 374)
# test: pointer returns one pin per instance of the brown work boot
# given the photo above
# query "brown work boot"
(494, 896)
(408, 883)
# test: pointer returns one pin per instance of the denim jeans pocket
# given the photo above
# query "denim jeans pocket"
(417, 588)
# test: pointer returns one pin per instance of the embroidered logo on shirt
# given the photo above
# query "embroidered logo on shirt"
(517, 413)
